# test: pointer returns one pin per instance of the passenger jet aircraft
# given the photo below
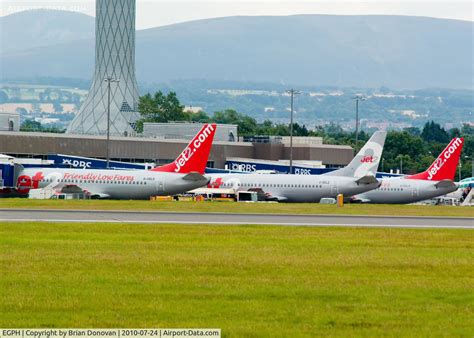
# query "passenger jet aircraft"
(437, 180)
(184, 174)
(357, 177)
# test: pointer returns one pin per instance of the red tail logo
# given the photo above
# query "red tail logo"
(444, 167)
(216, 184)
(368, 159)
(194, 156)
(25, 182)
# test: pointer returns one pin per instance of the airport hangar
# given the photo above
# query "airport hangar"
(165, 150)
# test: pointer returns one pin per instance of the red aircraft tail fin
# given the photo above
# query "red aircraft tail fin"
(194, 157)
(444, 167)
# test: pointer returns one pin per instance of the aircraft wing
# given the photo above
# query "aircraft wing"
(357, 199)
(368, 179)
(445, 184)
(268, 196)
(276, 198)
(98, 195)
(74, 188)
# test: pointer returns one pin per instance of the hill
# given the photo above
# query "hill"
(37, 28)
(362, 51)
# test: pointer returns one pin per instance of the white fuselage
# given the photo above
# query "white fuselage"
(115, 184)
(401, 191)
(291, 188)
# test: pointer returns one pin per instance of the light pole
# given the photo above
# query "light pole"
(460, 166)
(358, 98)
(383, 160)
(108, 80)
(292, 93)
(400, 157)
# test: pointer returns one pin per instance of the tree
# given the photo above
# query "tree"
(198, 117)
(432, 132)
(31, 125)
(160, 108)
(413, 131)
(247, 125)
(467, 130)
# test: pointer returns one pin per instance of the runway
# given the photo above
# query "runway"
(30, 215)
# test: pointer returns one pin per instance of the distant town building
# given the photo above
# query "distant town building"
(114, 58)
(192, 109)
(186, 131)
(9, 121)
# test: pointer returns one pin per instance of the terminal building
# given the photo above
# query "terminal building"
(185, 130)
(165, 150)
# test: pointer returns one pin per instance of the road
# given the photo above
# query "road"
(16, 215)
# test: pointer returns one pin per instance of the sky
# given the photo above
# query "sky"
(152, 13)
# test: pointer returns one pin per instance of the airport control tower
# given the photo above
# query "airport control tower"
(114, 59)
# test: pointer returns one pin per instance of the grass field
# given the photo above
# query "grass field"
(247, 280)
(229, 207)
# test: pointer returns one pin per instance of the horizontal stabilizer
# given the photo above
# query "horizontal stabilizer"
(368, 179)
(445, 184)
(194, 176)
